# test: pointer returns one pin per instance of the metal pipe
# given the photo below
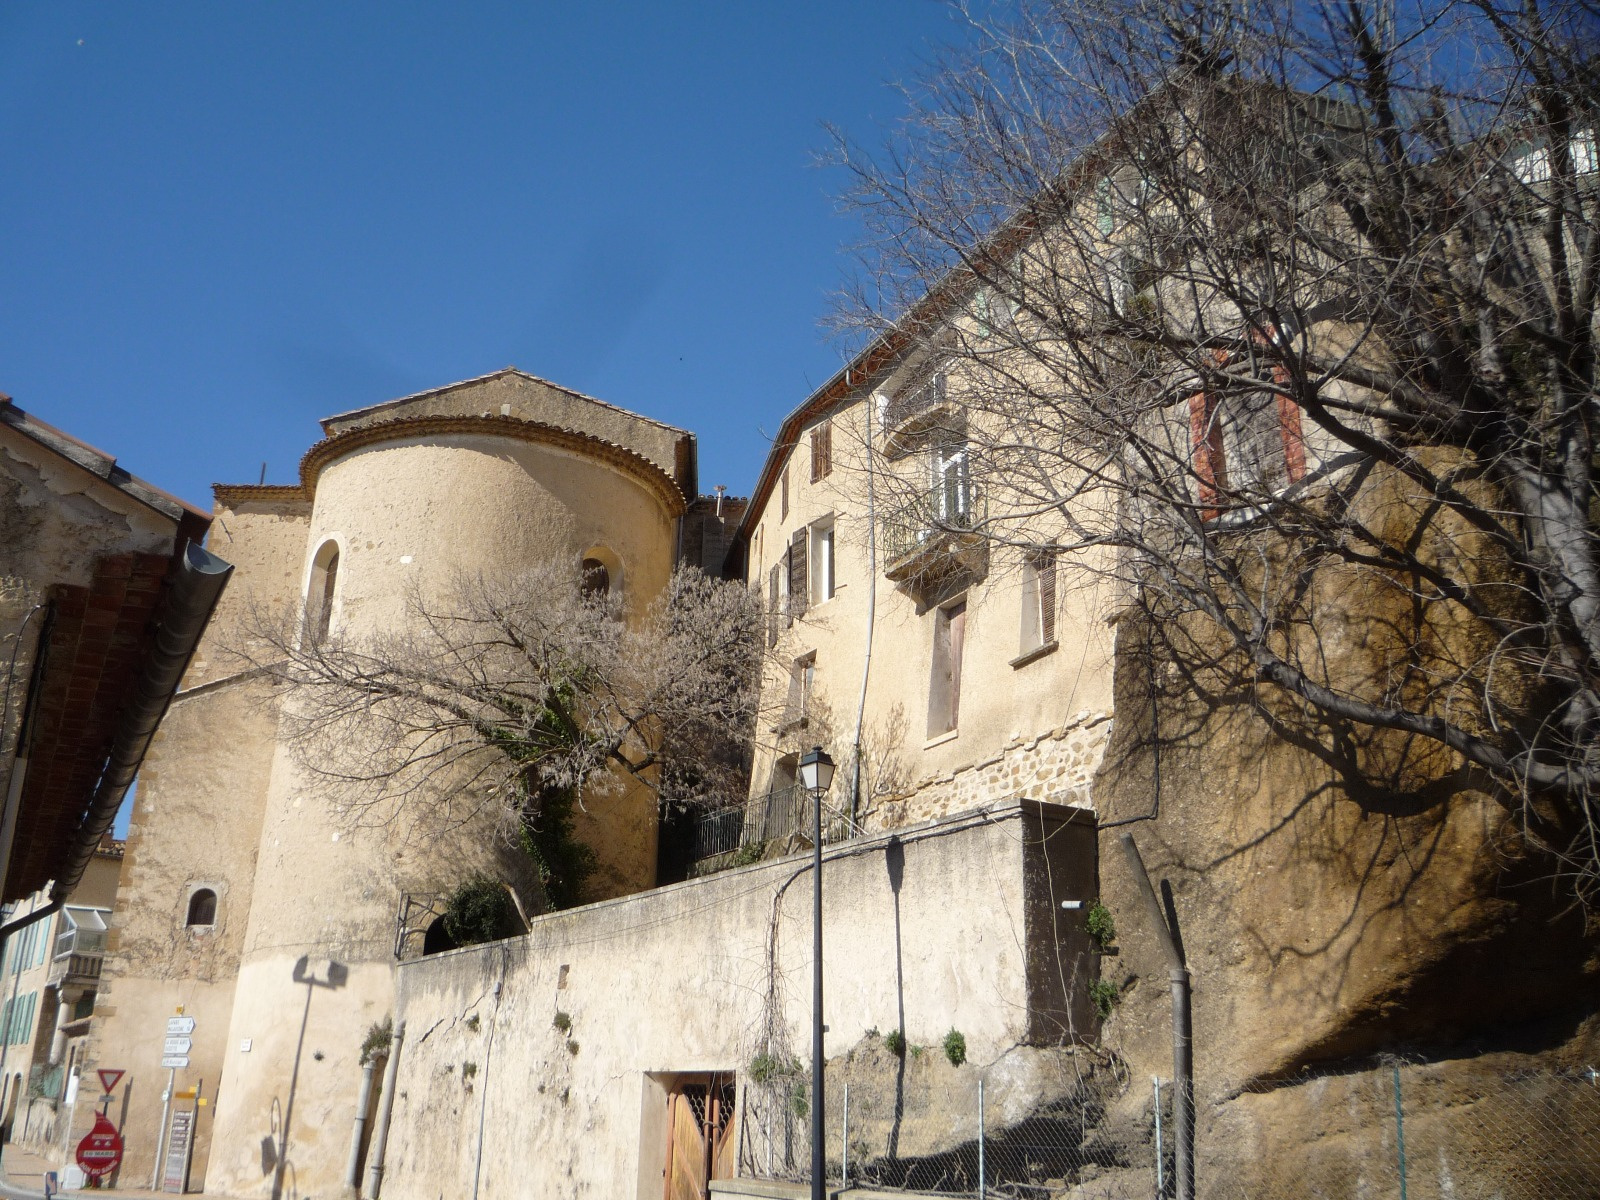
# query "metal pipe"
(1400, 1131)
(1182, 1026)
(872, 616)
(819, 1160)
(983, 1175)
(352, 1166)
(844, 1142)
(380, 1137)
(161, 1129)
(1161, 1165)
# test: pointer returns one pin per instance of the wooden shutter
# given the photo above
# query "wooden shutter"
(783, 494)
(958, 632)
(774, 583)
(821, 451)
(1205, 441)
(798, 579)
(1047, 598)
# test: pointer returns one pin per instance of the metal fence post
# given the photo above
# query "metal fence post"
(844, 1144)
(1161, 1164)
(982, 1183)
(1400, 1131)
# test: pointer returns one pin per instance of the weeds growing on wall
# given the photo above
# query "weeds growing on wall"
(376, 1044)
(563, 862)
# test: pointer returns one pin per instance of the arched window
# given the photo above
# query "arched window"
(596, 579)
(321, 589)
(202, 908)
(437, 939)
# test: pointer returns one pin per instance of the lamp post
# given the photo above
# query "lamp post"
(816, 776)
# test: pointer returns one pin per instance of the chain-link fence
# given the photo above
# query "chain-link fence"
(1055, 1125)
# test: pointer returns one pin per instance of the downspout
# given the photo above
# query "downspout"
(380, 1135)
(1182, 1028)
(352, 1166)
(872, 612)
(19, 758)
(194, 586)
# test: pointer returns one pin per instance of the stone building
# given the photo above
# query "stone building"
(51, 977)
(248, 904)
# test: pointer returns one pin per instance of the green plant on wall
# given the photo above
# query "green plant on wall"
(955, 1047)
(376, 1044)
(1097, 923)
(1105, 996)
(895, 1043)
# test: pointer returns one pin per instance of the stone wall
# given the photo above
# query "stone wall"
(1058, 765)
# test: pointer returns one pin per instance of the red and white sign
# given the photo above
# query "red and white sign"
(100, 1152)
(109, 1079)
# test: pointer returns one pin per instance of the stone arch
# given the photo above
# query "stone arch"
(201, 910)
(600, 563)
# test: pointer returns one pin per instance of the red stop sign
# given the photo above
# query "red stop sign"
(100, 1152)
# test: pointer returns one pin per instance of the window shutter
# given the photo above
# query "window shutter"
(772, 605)
(783, 494)
(1294, 446)
(798, 579)
(1047, 599)
(1205, 441)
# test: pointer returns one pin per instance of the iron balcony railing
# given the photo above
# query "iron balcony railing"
(738, 833)
(926, 521)
(914, 400)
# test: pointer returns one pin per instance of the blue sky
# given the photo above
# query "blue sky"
(223, 221)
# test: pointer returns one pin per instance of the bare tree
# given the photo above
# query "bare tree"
(1284, 318)
(515, 698)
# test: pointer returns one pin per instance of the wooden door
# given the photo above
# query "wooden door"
(700, 1135)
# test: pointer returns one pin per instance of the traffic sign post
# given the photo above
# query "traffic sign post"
(100, 1152)
(109, 1079)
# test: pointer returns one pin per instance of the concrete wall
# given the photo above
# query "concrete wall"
(956, 921)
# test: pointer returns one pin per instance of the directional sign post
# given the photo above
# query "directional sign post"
(174, 1057)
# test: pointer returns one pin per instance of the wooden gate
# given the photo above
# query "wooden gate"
(700, 1135)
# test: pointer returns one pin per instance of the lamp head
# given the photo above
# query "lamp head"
(816, 771)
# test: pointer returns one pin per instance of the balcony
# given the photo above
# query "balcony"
(739, 834)
(935, 532)
(80, 948)
(76, 970)
(915, 412)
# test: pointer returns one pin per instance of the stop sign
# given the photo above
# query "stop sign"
(100, 1152)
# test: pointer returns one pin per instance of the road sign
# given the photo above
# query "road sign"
(109, 1079)
(176, 1045)
(179, 1142)
(180, 1026)
(100, 1152)
(175, 1061)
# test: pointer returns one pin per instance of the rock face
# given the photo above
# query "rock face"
(1339, 894)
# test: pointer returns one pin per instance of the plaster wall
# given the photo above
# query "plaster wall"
(196, 822)
(495, 1098)
(1029, 725)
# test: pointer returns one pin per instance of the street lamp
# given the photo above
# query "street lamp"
(816, 776)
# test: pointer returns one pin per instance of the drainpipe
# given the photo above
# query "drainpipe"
(1182, 1029)
(872, 610)
(352, 1168)
(380, 1137)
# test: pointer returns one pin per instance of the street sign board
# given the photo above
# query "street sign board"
(176, 1045)
(180, 1026)
(176, 1176)
(100, 1152)
(109, 1078)
(175, 1061)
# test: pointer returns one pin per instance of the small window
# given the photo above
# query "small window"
(802, 677)
(600, 573)
(944, 682)
(821, 451)
(822, 580)
(1038, 601)
(202, 908)
(321, 590)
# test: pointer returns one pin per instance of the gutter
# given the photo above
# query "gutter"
(194, 587)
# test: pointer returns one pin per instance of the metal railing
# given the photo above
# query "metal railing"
(914, 400)
(924, 522)
(740, 833)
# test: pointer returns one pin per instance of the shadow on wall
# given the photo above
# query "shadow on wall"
(275, 1144)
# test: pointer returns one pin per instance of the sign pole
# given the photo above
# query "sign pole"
(161, 1129)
